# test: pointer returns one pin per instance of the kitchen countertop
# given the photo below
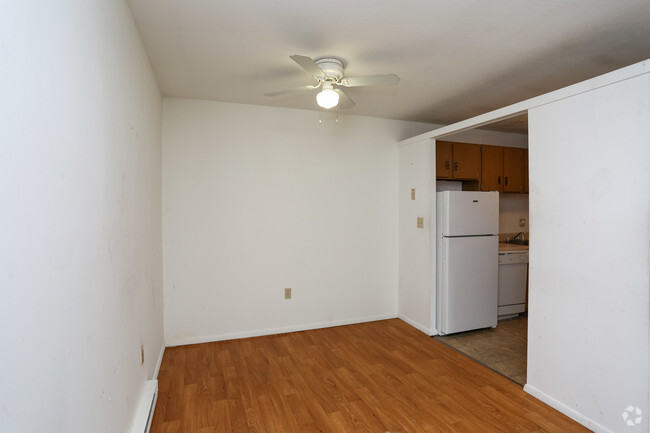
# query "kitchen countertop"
(510, 248)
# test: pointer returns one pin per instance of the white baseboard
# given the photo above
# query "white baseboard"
(159, 363)
(261, 332)
(566, 410)
(418, 325)
(146, 405)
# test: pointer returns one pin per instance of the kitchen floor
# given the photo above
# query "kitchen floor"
(502, 349)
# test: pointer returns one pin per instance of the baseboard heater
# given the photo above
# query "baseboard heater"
(146, 407)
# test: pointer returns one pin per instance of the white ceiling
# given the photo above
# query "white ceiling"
(456, 58)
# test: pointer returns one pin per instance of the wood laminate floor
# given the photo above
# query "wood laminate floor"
(503, 349)
(373, 377)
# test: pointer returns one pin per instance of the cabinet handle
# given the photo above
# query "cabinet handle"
(446, 165)
(455, 166)
(506, 180)
(499, 180)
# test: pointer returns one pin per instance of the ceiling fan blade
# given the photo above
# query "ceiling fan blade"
(344, 100)
(308, 65)
(370, 80)
(294, 90)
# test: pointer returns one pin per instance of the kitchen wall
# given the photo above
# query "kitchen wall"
(512, 207)
(80, 205)
(259, 199)
(416, 302)
(588, 332)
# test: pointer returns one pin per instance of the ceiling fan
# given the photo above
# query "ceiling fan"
(328, 71)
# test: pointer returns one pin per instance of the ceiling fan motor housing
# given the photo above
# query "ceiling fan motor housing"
(332, 67)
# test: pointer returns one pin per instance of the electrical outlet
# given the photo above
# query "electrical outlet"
(142, 354)
(413, 194)
(287, 293)
(522, 222)
(420, 222)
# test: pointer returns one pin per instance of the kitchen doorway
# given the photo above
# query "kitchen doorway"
(503, 348)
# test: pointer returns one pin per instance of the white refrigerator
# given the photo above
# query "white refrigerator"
(467, 254)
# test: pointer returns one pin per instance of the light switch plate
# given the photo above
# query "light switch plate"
(420, 222)
(413, 194)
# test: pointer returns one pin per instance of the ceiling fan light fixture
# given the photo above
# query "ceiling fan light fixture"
(328, 71)
(327, 98)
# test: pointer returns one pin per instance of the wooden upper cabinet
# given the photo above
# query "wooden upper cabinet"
(492, 168)
(504, 169)
(467, 161)
(513, 169)
(444, 155)
(460, 161)
(526, 170)
(487, 168)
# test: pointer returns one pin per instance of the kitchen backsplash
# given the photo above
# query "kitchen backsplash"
(503, 237)
(512, 208)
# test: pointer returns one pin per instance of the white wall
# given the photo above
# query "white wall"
(257, 199)
(80, 229)
(416, 170)
(589, 276)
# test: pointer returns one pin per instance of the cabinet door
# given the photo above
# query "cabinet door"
(525, 170)
(467, 161)
(492, 168)
(513, 169)
(443, 159)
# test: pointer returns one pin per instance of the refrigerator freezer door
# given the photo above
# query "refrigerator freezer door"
(468, 213)
(468, 293)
